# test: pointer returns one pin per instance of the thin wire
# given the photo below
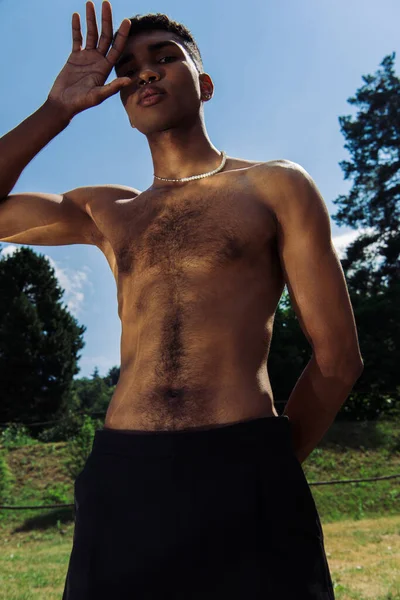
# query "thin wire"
(332, 482)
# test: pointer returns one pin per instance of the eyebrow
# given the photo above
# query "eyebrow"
(150, 48)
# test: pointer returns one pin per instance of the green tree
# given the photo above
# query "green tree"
(39, 340)
(111, 379)
(95, 374)
(94, 394)
(371, 263)
(290, 352)
(373, 141)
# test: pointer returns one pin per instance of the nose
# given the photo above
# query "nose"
(143, 80)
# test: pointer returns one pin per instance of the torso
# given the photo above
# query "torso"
(199, 280)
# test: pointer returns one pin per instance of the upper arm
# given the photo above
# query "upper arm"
(46, 219)
(312, 269)
(55, 219)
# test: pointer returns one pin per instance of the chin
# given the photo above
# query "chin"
(155, 125)
(160, 121)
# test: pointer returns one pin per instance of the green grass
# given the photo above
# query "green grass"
(354, 500)
(364, 559)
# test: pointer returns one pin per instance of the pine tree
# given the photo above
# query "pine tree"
(39, 340)
(371, 263)
(373, 141)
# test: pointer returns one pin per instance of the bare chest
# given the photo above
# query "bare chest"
(198, 282)
(206, 229)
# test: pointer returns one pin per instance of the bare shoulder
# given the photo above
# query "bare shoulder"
(94, 200)
(279, 169)
(89, 197)
(279, 182)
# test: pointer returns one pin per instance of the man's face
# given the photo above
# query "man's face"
(169, 68)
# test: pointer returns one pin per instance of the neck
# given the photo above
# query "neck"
(178, 153)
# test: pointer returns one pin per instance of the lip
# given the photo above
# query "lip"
(149, 90)
(150, 100)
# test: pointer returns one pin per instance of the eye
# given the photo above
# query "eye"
(132, 71)
(173, 57)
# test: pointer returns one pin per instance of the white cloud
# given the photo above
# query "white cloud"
(9, 250)
(341, 242)
(73, 281)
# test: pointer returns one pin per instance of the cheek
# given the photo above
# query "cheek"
(127, 96)
(190, 94)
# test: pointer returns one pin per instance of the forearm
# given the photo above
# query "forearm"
(314, 403)
(20, 145)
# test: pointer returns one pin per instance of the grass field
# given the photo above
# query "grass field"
(361, 521)
(364, 558)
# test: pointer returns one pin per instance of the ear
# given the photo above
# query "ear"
(206, 86)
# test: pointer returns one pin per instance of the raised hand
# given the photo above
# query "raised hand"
(80, 84)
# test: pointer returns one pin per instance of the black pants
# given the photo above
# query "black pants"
(207, 514)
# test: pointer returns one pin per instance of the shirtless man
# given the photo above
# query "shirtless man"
(181, 494)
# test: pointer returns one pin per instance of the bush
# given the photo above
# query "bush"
(68, 427)
(79, 447)
(58, 493)
(16, 435)
(6, 479)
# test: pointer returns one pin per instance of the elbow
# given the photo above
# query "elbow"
(356, 363)
(347, 367)
(358, 369)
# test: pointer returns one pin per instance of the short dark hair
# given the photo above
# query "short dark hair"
(160, 21)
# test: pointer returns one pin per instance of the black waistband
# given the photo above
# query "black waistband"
(262, 433)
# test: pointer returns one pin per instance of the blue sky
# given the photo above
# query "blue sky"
(282, 73)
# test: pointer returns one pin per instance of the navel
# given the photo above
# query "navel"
(173, 394)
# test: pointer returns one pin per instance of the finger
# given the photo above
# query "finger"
(106, 29)
(92, 35)
(76, 33)
(120, 42)
(112, 88)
